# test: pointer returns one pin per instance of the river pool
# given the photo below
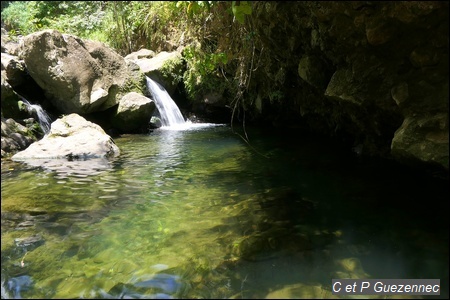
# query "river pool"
(199, 213)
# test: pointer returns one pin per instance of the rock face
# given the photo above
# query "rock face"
(71, 138)
(373, 73)
(78, 76)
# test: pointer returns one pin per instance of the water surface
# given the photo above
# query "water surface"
(200, 214)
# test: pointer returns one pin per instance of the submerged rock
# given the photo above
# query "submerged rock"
(165, 282)
(18, 284)
(160, 286)
(29, 243)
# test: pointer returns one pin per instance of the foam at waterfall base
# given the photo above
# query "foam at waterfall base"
(188, 125)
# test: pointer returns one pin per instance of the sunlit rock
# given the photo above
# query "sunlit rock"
(72, 143)
(78, 76)
(133, 113)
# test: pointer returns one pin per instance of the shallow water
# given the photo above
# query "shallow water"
(200, 214)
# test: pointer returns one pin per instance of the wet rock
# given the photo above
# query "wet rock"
(18, 284)
(15, 137)
(165, 282)
(29, 243)
(160, 286)
(24, 225)
(270, 244)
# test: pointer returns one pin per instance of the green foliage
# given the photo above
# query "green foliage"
(217, 35)
(173, 69)
(194, 8)
(241, 9)
(202, 72)
(81, 18)
(20, 18)
(276, 96)
(132, 25)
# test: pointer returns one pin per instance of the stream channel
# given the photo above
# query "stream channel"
(198, 213)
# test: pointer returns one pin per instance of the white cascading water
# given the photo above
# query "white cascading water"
(43, 118)
(170, 113)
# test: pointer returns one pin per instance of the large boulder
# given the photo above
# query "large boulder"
(70, 138)
(133, 113)
(14, 72)
(78, 76)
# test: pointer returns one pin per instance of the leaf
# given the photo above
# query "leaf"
(189, 9)
(239, 11)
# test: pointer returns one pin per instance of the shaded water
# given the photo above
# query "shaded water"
(199, 214)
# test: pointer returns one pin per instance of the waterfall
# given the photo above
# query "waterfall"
(43, 118)
(168, 110)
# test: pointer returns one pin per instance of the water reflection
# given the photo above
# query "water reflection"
(79, 168)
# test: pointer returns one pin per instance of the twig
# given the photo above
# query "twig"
(22, 264)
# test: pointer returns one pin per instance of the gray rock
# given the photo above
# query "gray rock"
(142, 53)
(77, 76)
(71, 138)
(30, 242)
(15, 137)
(133, 113)
(153, 68)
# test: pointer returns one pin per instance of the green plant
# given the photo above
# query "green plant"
(203, 71)
(20, 18)
(276, 96)
(81, 18)
(172, 69)
(240, 9)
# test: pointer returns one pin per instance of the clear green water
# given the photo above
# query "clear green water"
(212, 218)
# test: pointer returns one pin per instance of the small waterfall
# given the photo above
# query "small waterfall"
(169, 111)
(43, 118)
